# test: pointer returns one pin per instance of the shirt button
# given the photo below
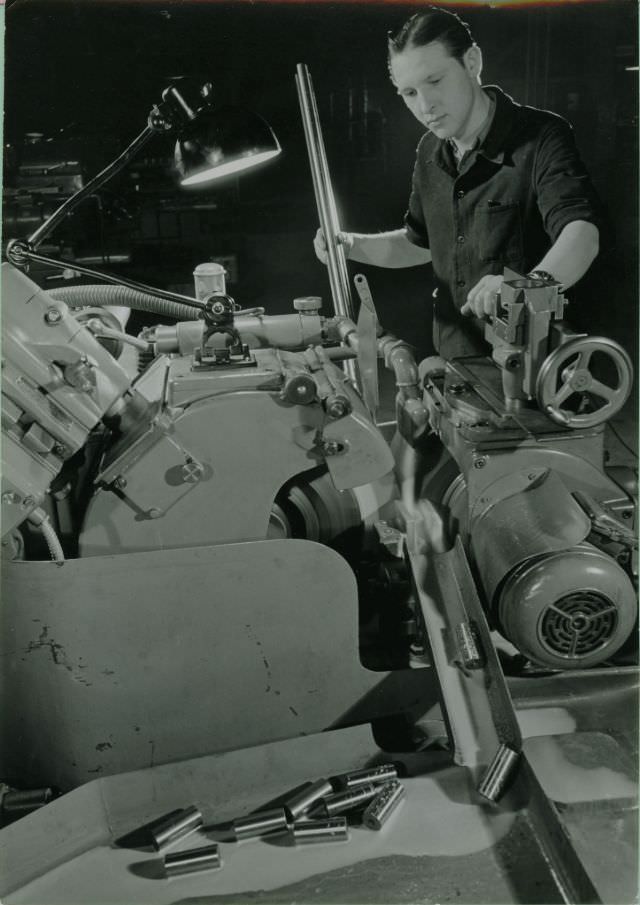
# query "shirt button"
(460, 193)
(461, 283)
(460, 239)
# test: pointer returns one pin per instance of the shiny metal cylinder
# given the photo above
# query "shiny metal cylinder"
(298, 804)
(333, 830)
(498, 773)
(261, 824)
(325, 201)
(193, 860)
(383, 773)
(26, 800)
(178, 826)
(327, 212)
(383, 805)
(345, 801)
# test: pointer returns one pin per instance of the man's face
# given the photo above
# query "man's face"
(437, 88)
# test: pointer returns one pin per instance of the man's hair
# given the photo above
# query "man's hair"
(432, 24)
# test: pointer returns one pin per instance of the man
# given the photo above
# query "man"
(495, 184)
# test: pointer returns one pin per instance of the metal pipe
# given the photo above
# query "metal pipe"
(399, 358)
(498, 773)
(298, 804)
(383, 773)
(274, 821)
(383, 805)
(20, 800)
(168, 831)
(345, 801)
(101, 332)
(333, 830)
(325, 201)
(195, 859)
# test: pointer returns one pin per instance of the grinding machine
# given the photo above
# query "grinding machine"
(209, 543)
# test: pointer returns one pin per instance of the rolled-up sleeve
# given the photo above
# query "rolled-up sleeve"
(414, 221)
(564, 191)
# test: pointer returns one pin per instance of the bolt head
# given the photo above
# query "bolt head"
(10, 498)
(155, 513)
(53, 316)
(480, 463)
(27, 502)
(331, 447)
(337, 409)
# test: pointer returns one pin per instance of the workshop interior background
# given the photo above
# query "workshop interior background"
(80, 78)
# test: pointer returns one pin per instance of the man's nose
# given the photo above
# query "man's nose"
(425, 103)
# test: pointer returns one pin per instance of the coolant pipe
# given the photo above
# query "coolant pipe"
(397, 355)
(100, 296)
(41, 520)
(101, 332)
(399, 358)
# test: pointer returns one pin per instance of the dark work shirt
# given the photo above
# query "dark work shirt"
(504, 207)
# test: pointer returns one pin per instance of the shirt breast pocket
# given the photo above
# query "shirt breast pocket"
(499, 229)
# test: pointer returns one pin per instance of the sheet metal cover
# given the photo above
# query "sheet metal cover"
(538, 516)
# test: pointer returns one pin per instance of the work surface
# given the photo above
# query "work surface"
(441, 845)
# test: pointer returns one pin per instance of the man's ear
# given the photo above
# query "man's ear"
(472, 60)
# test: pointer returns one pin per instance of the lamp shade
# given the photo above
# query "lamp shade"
(220, 141)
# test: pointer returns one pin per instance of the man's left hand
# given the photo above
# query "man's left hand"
(482, 299)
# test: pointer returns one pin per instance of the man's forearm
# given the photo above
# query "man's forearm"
(572, 253)
(391, 249)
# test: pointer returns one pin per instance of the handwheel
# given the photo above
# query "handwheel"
(567, 371)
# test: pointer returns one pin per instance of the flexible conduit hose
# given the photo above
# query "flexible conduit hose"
(99, 296)
(40, 519)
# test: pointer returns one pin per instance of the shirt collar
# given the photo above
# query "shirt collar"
(481, 134)
(493, 143)
(504, 121)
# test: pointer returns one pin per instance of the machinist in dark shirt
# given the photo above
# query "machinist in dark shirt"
(495, 185)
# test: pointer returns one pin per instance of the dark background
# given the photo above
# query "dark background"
(85, 74)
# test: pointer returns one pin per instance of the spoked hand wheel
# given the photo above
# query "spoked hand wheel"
(566, 376)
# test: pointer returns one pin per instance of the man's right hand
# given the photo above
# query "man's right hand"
(320, 244)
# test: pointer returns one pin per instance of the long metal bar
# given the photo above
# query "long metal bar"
(325, 200)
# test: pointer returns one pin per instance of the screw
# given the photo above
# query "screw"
(53, 316)
(9, 497)
(332, 447)
(59, 449)
(338, 408)
(191, 472)
(626, 513)
(27, 502)
(480, 463)
(120, 483)
(155, 513)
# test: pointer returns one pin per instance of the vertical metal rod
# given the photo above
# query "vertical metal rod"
(325, 201)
